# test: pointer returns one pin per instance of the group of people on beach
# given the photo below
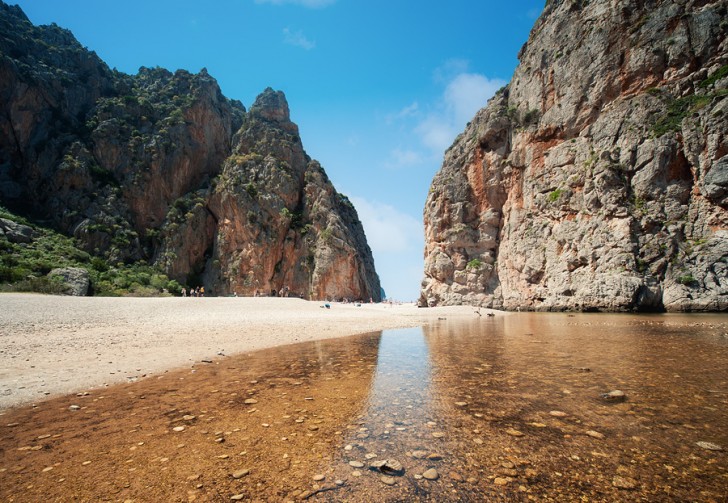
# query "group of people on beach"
(194, 292)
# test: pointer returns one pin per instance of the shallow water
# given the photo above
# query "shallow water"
(497, 409)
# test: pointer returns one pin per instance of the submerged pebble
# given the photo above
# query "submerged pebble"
(709, 446)
(431, 474)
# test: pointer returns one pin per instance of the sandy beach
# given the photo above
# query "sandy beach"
(51, 345)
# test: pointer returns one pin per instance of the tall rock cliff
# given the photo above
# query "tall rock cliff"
(160, 167)
(598, 178)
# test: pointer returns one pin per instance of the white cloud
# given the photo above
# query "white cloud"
(297, 39)
(467, 93)
(403, 158)
(311, 4)
(397, 241)
(408, 111)
(464, 94)
(445, 72)
(388, 230)
(436, 133)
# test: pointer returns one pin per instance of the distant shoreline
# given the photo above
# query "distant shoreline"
(54, 345)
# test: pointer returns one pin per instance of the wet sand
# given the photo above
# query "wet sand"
(51, 345)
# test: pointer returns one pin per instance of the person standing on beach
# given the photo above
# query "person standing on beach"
(184, 292)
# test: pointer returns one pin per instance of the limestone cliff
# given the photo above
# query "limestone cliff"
(160, 167)
(598, 178)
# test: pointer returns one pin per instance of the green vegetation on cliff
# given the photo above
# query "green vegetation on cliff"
(24, 267)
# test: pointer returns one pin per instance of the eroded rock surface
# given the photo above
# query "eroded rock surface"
(160, 167)
(598, 178)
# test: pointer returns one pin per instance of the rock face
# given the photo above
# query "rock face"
(598, 178)
(75, 280)
(160, 167)
(15, 232)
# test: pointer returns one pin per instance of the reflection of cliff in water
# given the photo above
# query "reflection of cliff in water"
(520, 398)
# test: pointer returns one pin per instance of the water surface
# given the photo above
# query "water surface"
(495, 409)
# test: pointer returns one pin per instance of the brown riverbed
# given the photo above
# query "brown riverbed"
(499, 409)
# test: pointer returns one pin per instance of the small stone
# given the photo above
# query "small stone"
(438, 434)
(431, 474)
(434, 457)
(339, 482)
(508, 465)
(709, 445)
(240, 473)
(194, 477)
(238, 497)
(461, 404)
(74, 407)
(456, 476)
(47, 468)
(615, 396)
(356, 464)
(220, 440)
(251, 401)
(514, 432)
(390, 481)
(558, 413)
(86, 463)
(419, 454)
(188, 417)
(388, 467)
(624, 482)
(502, 481)
(178, 428)
(319, 477)
(370, 455)
(595, 434)
(356, 473)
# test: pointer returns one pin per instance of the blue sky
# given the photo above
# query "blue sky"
(379, 89)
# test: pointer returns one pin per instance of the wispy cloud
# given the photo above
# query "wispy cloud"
(464, 94)
(449, 69)
(403, 158)
(297, 39)
(467, 93)
(388, 230)
(408, 111)
(311, 4)
(397, 241)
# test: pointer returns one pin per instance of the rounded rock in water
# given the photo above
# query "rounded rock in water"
(388, 467)
(615, 396)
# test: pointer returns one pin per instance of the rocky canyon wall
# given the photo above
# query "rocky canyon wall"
(160, 167)
(597, 179)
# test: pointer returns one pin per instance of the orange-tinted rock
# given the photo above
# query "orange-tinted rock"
(598, 178)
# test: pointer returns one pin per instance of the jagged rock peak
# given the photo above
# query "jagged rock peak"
(161, 168)
(14, 11)
(272, 106)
